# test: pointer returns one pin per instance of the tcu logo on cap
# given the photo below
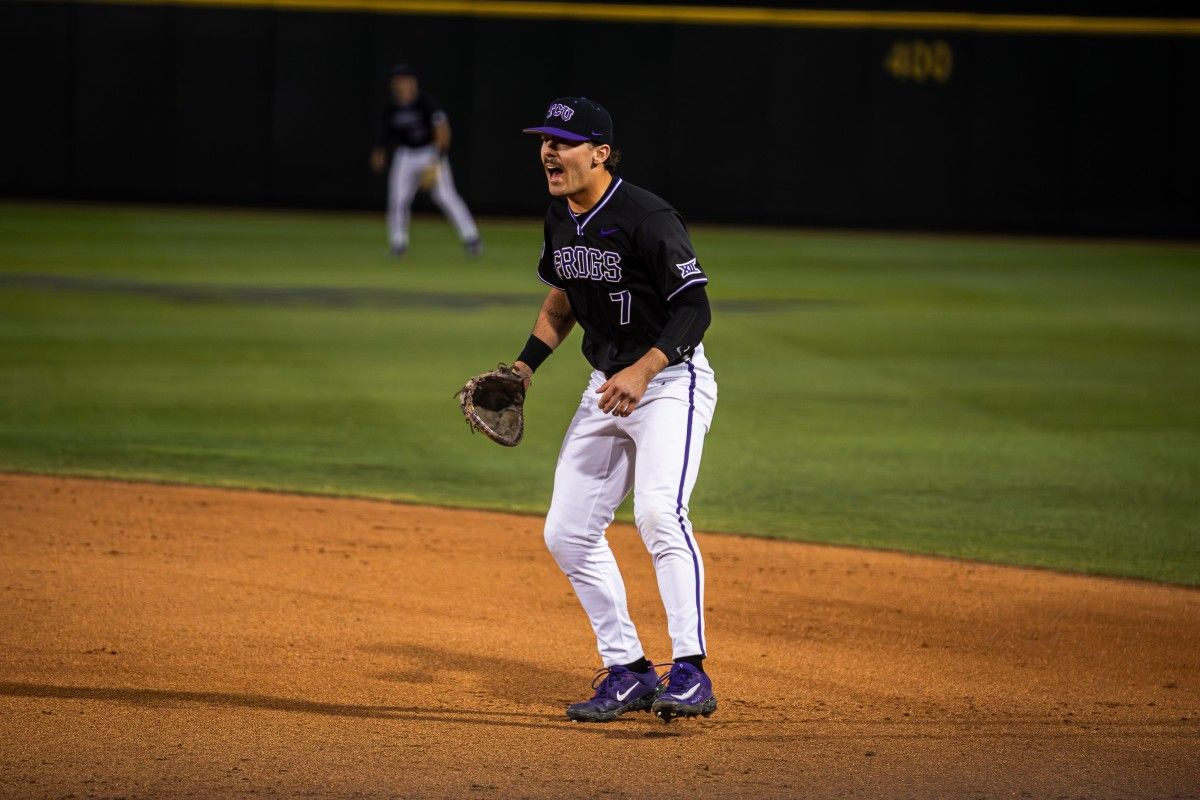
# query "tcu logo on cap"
(559, 110)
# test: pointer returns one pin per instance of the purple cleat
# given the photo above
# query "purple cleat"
(688, 694)
(618, 692)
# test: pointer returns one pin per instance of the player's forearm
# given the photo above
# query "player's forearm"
(653, 362)
(441, 137)
(554, 322)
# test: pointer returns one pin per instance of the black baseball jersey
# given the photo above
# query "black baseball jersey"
(621, 264)
(410, 125)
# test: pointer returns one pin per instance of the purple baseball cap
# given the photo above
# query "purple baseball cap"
(576, 119)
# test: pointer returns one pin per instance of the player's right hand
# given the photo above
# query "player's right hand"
(378, 159)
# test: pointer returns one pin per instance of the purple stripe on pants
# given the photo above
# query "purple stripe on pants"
(687, 449)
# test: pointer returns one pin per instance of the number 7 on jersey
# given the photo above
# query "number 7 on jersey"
(626, 300)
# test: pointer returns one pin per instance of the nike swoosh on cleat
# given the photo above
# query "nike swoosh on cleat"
(628, 692)
(687, 694)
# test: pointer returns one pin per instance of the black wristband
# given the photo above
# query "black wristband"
(536, 351)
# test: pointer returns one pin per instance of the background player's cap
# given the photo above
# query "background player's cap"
(402, 69)
(576, 119)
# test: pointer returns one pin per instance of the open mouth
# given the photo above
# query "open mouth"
(553, 172)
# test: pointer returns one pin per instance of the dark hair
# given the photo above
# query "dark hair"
(614, 158)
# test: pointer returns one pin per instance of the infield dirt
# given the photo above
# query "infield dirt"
(166, 641)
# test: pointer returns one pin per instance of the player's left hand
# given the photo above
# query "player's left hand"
(620, 394)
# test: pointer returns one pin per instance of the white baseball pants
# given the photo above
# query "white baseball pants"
(656, 452)
(403, 181)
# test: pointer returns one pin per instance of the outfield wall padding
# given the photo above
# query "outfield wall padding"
(940, 130)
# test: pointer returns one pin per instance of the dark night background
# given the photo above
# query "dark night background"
(778, 125)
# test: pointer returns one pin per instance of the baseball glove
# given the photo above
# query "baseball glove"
(429, 176)
(494, 403)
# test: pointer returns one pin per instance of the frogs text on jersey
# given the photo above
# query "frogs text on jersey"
(589, 263)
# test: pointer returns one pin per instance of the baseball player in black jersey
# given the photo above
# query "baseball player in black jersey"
(417, 134)
(619, 261)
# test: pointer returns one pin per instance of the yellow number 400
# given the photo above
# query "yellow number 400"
(919, 61)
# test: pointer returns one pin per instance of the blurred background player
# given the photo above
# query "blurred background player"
(416, 131)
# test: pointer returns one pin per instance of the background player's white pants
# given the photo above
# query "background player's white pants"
(655, 451)
(403, 181)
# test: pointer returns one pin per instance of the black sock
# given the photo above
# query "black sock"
(639, 666)
(695, 661)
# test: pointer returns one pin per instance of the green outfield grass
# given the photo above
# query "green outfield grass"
(1032, 402)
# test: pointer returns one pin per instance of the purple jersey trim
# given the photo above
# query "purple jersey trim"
(693, 281)
(557, 133)
(579, 226)
(687, 451)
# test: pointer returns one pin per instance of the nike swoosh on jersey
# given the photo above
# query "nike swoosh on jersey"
(688, 693)
(608, 231)
(628, 692)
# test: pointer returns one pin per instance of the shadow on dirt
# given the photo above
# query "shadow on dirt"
(505, 678)
(152, 698)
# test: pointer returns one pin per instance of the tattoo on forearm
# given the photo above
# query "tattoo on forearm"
(558, 315)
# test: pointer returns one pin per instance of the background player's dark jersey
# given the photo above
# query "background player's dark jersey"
(621, 264)
(410, 125)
